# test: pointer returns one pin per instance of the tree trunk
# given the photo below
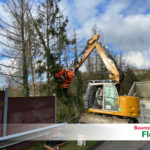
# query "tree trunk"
(24, 63)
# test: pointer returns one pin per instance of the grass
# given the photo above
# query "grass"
(71, 145)
(37, 146)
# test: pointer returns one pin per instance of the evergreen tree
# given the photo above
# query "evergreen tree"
(129, 79)
(51, 29)
(78, 80)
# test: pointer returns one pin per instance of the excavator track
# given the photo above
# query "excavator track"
(88, 118)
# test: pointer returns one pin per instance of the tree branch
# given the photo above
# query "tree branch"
(9, 75)
(8, 24)
(3, 55)
(9, 46)
(8, 66)
(10, 37)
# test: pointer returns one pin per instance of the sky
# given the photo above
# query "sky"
(125, 25)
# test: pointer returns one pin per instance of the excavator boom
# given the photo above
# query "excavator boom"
(109, 62)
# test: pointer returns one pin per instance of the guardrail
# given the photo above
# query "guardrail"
(17, 138)
(25, 136)
(11, 115)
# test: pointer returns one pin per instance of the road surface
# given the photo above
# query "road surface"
(123, 145)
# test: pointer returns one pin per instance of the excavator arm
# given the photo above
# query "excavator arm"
(109, 63)
(115, 73)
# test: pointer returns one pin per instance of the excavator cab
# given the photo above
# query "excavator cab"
(102, 98)
(102, 95)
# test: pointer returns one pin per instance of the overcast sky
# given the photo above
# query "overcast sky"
(125, 25)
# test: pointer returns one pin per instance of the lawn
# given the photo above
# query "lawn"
(71, 145)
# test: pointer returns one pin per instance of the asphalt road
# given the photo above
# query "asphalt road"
(123, 145)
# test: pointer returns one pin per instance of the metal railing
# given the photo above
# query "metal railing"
(27, 135)
(17, 138)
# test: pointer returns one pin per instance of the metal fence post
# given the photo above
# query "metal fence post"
(55, 107)
(5, 113)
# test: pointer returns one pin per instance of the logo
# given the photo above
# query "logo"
(145, 130)
(145, 134)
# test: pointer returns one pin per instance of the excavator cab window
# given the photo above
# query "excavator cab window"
(111, 99)
(98, 103)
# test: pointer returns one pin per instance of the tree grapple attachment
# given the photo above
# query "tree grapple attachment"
(67, 77)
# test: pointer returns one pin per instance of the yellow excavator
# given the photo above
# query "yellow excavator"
(102, 95)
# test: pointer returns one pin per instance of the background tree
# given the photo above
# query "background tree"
(129, 79)
(51, 29)
(17, 37)
(95, 66)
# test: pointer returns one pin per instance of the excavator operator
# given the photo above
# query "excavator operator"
(99, 98)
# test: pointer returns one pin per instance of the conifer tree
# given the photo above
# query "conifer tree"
(51, 29)
(129, 79)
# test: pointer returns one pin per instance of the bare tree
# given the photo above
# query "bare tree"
(18, 46)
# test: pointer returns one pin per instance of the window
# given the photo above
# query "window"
(111, 100)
